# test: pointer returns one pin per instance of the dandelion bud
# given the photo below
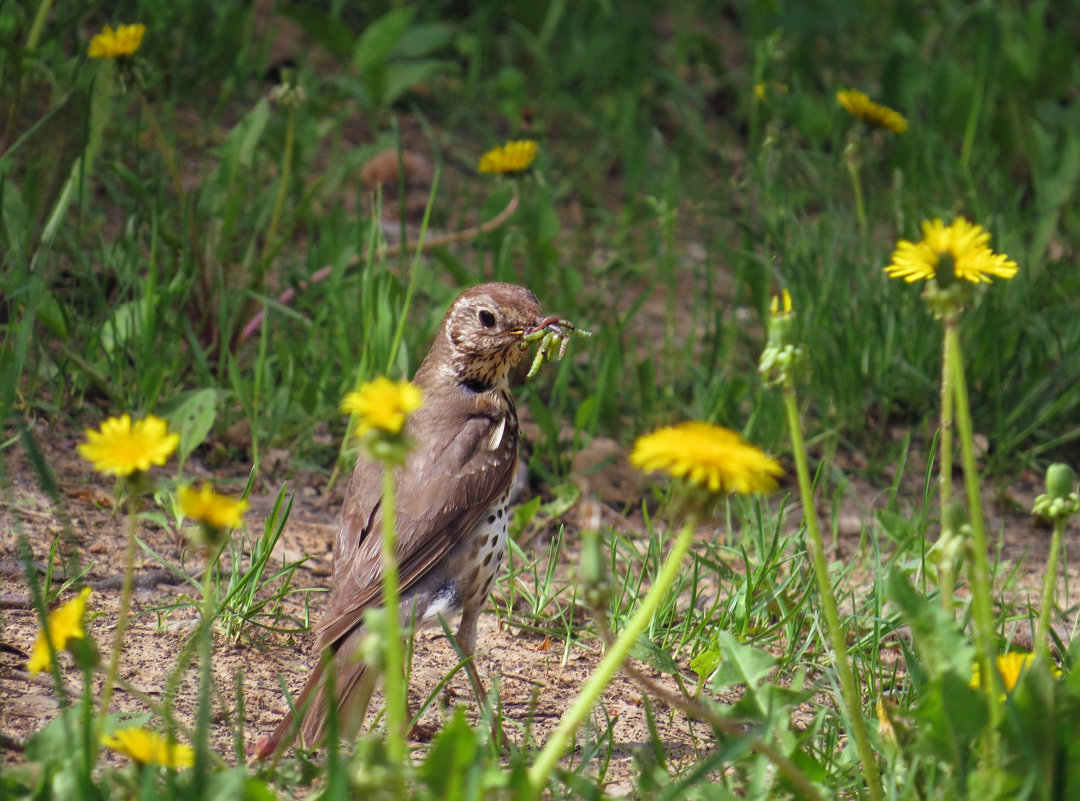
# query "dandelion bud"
(781, 322)
(1060, 480)
(783, 356)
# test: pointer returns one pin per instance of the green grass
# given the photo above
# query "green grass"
(147, 214)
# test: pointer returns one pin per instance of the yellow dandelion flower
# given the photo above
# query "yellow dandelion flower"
(206, 506)
(121, 448)
(861, 106)
(707, 455)
(965, 242)
(121, 43)
(149, 748)
(509, 158)
(383, 405)
(1011, 666)
(64, 624)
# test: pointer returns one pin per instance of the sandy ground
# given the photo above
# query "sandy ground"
(537, 672)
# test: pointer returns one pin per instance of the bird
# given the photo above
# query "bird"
(452, 493)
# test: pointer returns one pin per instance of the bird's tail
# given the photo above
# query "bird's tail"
(347, 681)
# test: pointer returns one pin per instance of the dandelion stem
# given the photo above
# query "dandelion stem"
(563, 735)
(851, 156)
(982, 615)
(206, 673)
(395, 691)
(946, 573)
(837, 635)
(1049, 588)
(122, 616)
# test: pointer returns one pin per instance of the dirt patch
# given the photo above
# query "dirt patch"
(537, 674)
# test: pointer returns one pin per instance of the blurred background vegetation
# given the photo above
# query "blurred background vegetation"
(150, 209)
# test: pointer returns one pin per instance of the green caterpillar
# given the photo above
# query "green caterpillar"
(550, 334)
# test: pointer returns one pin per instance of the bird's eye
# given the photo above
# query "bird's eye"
(487, 319)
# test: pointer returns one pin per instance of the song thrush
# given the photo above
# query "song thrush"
(452, 495)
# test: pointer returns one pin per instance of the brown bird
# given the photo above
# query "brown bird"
(452, 495)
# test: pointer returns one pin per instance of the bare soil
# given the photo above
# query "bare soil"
(537, 674)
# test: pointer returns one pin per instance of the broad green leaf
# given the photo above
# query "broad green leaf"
(423, 40)
(381, 37)
(398, 78)
(941, 645)
(740, 664)
(704, 664)
(653, 655)
(192, 416)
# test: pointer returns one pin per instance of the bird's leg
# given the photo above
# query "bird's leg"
(417, 730)
(466, 640)
(466, 643)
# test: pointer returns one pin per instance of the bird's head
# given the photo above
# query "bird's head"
(481, 335)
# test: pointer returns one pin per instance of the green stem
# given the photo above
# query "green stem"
(283, 188)
(837, 635)
(946, 573)
(38, 25)
(206, 673)
(563, 735)
(395, 680)
(982, 612)
(851, 156)
(1049, 589)
(122, 616)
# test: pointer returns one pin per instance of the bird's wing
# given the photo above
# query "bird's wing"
(448, 483)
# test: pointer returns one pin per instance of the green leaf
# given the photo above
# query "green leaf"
(653, 655)
(51, 313)
(400, 77)
(320, 26)
(238, 785)
(118, 330)
(249, 131)
(740, 664)
(566, 497)
(586, 416)
(380, 38)
(942, 646)
(423, 40)
(191, 415)
(524, 514)
(452, 759)
(705, 663)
